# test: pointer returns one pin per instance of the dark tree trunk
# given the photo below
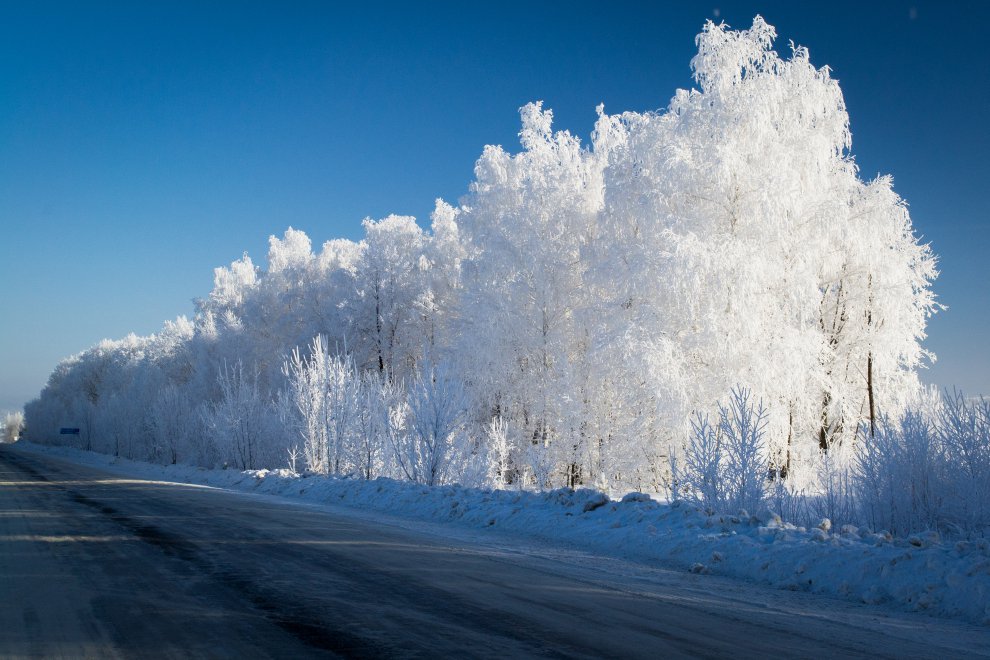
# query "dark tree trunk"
(869, 390)
(869, 363)
(829, 429)
(790, 436)
(573, 475)
(823, 432)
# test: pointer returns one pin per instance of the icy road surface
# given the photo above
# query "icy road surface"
(95, 565)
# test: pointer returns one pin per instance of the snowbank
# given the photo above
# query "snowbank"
(921, 573)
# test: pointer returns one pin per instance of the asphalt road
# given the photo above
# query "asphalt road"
(95, 565)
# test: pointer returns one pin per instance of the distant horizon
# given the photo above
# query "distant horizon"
(145, 148)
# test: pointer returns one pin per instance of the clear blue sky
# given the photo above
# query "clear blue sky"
(143, 144)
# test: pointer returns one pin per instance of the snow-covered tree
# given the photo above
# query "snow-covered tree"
(389, 278)
(174, 426)
(13, 422)
(737, 235)
(587, 300)
(435, 410)
(523, 339)
(240, 420)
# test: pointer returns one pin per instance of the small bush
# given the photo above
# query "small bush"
(725, 466)
(928, 471)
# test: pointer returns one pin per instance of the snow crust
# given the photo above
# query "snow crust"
(921, 573)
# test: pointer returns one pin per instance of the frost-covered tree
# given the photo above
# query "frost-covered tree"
(13, 422)
(305, 400)
(587, 299)
(438, 302)
(739, 235)
(500, 450)
(875, 304)
(435, 410)
(174, 426)
(523, 340)
(240, 420)
(389, 278)
(369, 451)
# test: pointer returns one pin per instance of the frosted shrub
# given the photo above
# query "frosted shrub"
(436, 406)
(343, 400)
(673, 481)
(241, 420)
(725, 466)
(703, 465)
(368, 451)
(539, 458)
(963, 429)
(304, 403)
(928, 470)
(788, 501)
(894, 476)
(293, 455)
(836, 498)
(325, 396)
(500, 448)
(742, 426)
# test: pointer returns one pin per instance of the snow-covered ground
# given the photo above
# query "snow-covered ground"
(921, 573)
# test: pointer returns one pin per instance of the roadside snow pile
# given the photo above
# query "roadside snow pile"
(920, 573)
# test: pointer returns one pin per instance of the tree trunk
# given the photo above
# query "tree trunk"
(869, 362)
(790, 436)
(869, 390)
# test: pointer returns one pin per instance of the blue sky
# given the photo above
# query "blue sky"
(143, 144)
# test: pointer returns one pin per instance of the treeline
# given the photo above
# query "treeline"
(563, 322)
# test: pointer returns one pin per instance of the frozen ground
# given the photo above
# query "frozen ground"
(921, 574)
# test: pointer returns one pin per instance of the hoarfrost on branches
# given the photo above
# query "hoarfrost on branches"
(588, 302)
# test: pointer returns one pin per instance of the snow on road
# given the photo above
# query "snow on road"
(919, 574)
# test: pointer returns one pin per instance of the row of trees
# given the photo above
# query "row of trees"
(563, 322)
